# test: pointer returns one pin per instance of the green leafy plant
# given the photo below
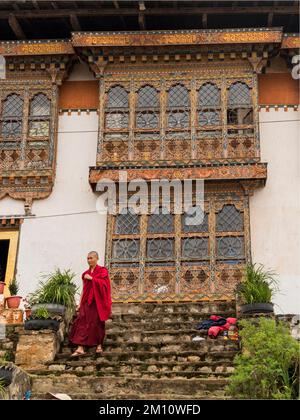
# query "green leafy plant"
(268, 366)
(58, 287)
(41, 313)
(13, 287)
(258, 286)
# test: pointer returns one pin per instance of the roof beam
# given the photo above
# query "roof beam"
(75, 22)
(204, 21)
(59, 13)
(270, 19)
(142, 22)
(16, 27)
(117, 6)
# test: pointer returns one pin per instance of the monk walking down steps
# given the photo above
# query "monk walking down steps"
(88, 329)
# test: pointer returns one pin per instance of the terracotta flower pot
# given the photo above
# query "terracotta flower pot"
(13, 302)
(28, 313)
(2, 285)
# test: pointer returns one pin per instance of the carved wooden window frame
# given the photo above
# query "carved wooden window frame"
(185, 144)
(29, 152)
(188, 276)
(46, 118)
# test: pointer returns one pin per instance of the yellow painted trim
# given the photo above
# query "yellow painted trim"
(13, 237)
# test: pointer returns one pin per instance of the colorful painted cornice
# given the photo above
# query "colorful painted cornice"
(149, 38)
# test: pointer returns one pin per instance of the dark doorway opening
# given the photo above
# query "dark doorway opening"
(4, 246)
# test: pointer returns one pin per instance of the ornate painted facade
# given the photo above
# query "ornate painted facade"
(171, 105)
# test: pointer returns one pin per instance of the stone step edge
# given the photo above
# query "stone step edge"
(105, 363)
(190, 375)
(126, 378)
(149, 397)
(94, 356)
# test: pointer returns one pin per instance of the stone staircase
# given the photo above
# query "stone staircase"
(148, 354)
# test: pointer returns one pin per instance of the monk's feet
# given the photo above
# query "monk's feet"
(99, 349)
(78, 352)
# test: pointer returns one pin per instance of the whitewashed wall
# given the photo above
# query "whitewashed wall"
(275, 209)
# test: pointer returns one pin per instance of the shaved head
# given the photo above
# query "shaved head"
(93, 253)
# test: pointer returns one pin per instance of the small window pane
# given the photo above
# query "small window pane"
(40, 106)
(117, 97)
(230, 247)
(193, 221)
(160, 248)
(178, 97)
(126, 249)
(229, 219)
(147, 97)
(127, 224)
(209, 95)
(161, 223)
(179, 119)
(195, 248)
(13, 106)
(147, 120)
(239, 94)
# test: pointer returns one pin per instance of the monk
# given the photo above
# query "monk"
(88, 329)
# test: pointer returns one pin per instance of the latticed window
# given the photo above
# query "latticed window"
(126, 249)
(209, 103)
(160, 249)
(117, 108)
(165, 253)
(195, 248)
(231, 248)
(127, 223)
(178, 107)
(161, 223)
(147, 109)
(239, 108)
(12, 116)
(39, 116)
(194, 221)
(229, 219)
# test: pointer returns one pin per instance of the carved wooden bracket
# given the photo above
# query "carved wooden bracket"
(258, 63)
(57, 75)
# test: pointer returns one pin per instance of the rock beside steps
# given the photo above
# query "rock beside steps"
(148, 354)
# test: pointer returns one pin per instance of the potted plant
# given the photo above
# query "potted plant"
(257, 289)
(13, 301)
(56, 294)
(41, 320)
(27, 308)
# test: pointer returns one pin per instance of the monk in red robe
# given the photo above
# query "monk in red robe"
(88, 329)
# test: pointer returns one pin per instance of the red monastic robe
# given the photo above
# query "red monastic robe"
(88, 328)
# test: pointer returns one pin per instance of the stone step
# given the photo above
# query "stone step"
(217, 395)
(136, 326)
(154, 318)
(151, 375)
(215, 307)
(149, 357)
(164, 345)
(111, 385)
(101, 367)
(156, 336)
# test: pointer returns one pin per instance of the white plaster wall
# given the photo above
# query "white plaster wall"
(81, 71)
(63, 241)
(275, 209)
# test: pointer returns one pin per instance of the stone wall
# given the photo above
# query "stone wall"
(8, 344)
